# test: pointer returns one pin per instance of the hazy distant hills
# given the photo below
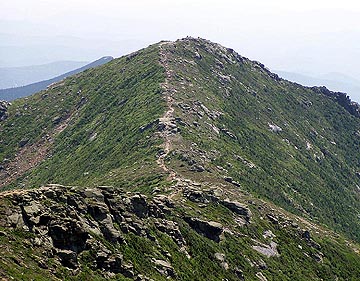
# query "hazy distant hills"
(19, 76)
(20, 49)
(333, 81)
(23, 91)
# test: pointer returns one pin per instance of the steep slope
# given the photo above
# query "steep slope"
(282, 141)
(86, 126)
(183, 160)
(27, 90)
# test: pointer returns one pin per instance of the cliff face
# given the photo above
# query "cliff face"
(181, 161)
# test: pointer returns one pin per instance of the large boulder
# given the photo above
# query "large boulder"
(209, 229)
(139, 205)
(238, 208)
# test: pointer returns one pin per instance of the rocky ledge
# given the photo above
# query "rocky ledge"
(72, 222)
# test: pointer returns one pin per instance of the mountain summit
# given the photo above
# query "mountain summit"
(180, 161)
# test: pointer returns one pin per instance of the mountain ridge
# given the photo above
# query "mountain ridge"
(334, 81)
(26, 90)
(20, 76)
(204, 158)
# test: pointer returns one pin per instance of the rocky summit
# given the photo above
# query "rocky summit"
(181, 161)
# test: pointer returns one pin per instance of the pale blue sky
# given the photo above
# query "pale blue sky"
(307, 36)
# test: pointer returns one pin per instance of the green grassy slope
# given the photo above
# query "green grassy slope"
(309, 167)
(238, 132)
(99, 113)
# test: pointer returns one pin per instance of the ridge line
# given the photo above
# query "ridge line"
(168, 116)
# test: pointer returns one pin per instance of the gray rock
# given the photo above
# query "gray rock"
(32, 213)
(93, 193)
(200, 196)
(15, 220)
(164, 268)
(68, 235)
(306, 235)
(3, 110)
(149, 125)
(261, 276)
(141, 277)
(221, 258)
(273, 218)
(139, 205)
(238, 208)
(197, 55)
(111, 233)
(318, 257)
(98, 211)
(68, 258)
(274, 128)
(197, 168)
(23, 142)
(211, 230)
(239, 273)
(230, 134)
(267, 250)
(172, 229)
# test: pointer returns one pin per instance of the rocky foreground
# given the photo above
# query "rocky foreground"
(67, 222)
(76, 228)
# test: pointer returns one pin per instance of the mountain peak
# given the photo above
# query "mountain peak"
(179, 157)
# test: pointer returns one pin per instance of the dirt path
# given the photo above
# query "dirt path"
(168, 117)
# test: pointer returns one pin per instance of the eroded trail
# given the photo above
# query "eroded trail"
(167, 120)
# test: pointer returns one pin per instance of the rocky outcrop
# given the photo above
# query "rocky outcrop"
(341, 98)
(232, 181)
(3, 110)
(267, 250)
(70, 222)
(164, 268)
(200, 196)
(222, 260)
(209, 229)
(238, 208)
(172, 229)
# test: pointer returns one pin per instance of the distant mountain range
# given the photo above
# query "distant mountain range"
(11, 77)
(23, 91)
(334, 81)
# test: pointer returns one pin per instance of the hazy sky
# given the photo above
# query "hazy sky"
(308, 36)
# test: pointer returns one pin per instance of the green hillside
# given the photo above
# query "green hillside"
(181, 161)
(279, 140)
(88, 126)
